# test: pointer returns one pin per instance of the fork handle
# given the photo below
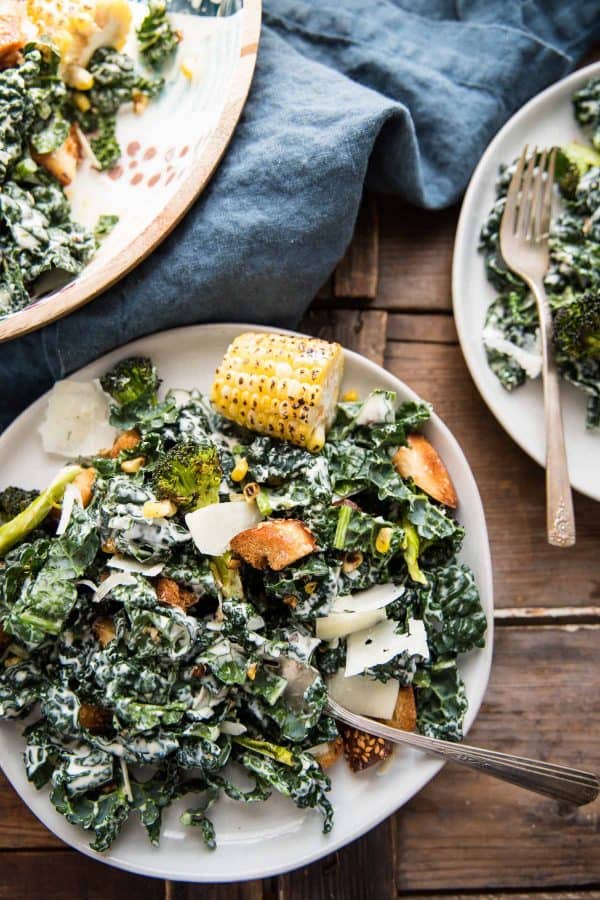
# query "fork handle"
(559, 782)
(560, 518)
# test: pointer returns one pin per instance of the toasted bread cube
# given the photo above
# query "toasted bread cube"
(363, 750)
(127, 440)
(405, 711)
(274, 544)
(94, 718)
(62, 163)
(168, 591)
(327, 754)
(103, 629)
(421, 462)
(84, 482)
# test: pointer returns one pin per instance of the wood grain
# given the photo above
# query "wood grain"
(468, 831)
(357, 273)
(415, 257)
(361, 330)
(527, 571)
(66, 875)
(244, 890)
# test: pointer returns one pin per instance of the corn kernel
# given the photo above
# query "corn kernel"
(383, 539)
(310, 587)
(350, 397)
(158, 509)
(187, 68)
(81, 101)
(79, 78)
(291, 601)
(240, 470)
(131, 466)
(251, 671)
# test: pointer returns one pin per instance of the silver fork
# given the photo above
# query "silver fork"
(524, 244)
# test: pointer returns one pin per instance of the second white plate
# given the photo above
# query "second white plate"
(547, 120)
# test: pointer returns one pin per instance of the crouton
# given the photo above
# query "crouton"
(363, 750)
(84, 482)
(168, 591)
(274, 544)
(11, 33)
(421, 462)
(127, 440)
(404, 716)
(94, 718)
(62, 163)
(103, 629)
(327, 754)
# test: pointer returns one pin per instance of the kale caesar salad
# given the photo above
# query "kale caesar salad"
(63, 81)
(152, 593)
(572, 283)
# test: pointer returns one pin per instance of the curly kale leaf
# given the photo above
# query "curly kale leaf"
(586, 105)
(21, 685)
(452, 611)
(157, 38)
(105, 813)
(441, 702)
(376, 422)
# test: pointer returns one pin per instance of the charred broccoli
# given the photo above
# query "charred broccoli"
(189, 474)
(132, 381)
(577, 328)
(573, 161)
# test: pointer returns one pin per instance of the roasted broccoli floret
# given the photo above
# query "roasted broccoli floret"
(573, 161)
(577, 328)
(586, 104)
(157, 38)
(133, 381)
(13, 501)
(189, 474)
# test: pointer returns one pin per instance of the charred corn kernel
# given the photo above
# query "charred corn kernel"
(291, 601)
(251, 671)
(240, 469)
(158, 509)
(350, 397)
(280, 385)
(81, 101)
(131, 466)
(140, 102)
(310, 587)
(383, 539)
(79, 78)
(352, 561)
(78, 27)
(251, 491)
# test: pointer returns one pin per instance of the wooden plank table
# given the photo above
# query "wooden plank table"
(464, 835)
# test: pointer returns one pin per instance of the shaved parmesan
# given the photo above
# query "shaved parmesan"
(71, 496)
(233, 728)
(373, 598)
(378, 407)
(132, 565)
(364, 696)
(529, 357)
(111, 582)
(76, 422)
(212, 527)
(337, 625)
(376, 646)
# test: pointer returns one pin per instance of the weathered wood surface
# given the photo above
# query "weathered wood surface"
(464, 832)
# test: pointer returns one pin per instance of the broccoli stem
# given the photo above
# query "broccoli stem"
(266, 748)
(16, 529)
(339, 540)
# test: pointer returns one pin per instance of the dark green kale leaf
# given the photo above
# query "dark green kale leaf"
(104, 813)
(450, 606)
(21, 685)
(586, 104)
(441, 701)
(157, 38)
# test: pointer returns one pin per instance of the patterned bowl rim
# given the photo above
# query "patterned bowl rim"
(87, 286)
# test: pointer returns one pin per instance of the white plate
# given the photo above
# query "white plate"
(546, 120)
(258, 840)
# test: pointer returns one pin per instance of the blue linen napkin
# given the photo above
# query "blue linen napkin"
(402, 94)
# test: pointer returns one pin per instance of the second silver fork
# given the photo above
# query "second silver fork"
(524, 234)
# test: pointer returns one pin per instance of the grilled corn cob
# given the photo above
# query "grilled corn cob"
(280, 385)
(79, 27)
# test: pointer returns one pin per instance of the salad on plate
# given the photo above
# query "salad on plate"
(572, 283)
(149, 594)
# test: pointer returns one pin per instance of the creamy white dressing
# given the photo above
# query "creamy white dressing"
(529, 358)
